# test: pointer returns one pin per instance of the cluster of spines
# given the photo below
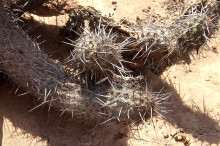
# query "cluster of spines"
(129, 99)
(195, 29)
(96, 55)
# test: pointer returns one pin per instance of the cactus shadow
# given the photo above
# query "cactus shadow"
(50, 38)
(192, 120)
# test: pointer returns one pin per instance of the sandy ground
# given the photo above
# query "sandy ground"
(195, 102)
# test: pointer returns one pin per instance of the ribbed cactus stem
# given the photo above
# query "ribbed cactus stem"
(97, 55)
(31, 69)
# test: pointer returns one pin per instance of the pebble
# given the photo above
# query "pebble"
(114, 2)
(165, 136)
(178, 138)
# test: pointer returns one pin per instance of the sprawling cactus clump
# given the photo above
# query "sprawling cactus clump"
(102, 52)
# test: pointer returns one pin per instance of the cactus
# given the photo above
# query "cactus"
(194, 30)
(31, 69)
(99, 55)
(156, 42)
(129, 100)
(96, 55)
(189, 32)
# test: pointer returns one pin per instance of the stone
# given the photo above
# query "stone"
(178, 138)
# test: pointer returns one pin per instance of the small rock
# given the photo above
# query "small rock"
(114, 2)
(178, 138)
(181, 131)
(111, 14)
(186, 141)
(166, 136)
(215, 49)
